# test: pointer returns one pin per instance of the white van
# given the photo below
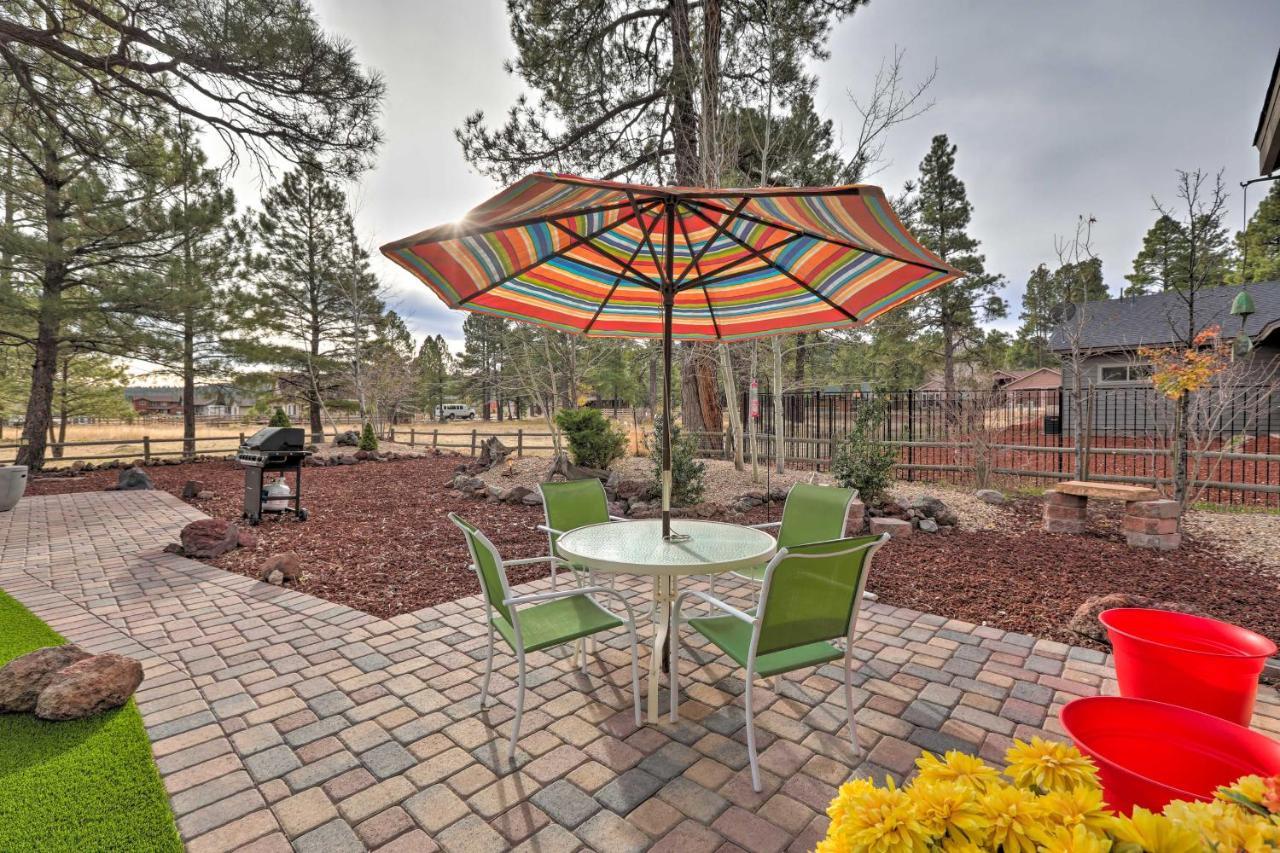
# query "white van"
(450, 411)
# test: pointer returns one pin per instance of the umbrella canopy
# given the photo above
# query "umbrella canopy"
(610, 259)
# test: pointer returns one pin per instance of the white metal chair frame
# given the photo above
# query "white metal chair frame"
(512, 603)
(755, 620)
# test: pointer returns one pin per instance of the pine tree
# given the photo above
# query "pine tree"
(1163, 261)
(301, 299)
(188, 321)
(954, 309)
(1258, 246)
(432, 369)
(483, 355)
(87, 384)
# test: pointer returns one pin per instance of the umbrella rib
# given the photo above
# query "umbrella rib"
(724, 223)
(618, 280)
(717, 275)
(578, 239)
(648, 239)
(643, 279)
(706, 294)
(811, 235)
(785, 272)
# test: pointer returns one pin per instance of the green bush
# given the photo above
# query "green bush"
(862, 460)
(280, 419)
(687, 473)
(368, 441)
(594, 442)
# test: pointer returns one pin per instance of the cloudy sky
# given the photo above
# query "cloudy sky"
(1058, 109)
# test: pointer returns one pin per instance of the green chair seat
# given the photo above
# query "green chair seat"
(733, 636)
(555, 622)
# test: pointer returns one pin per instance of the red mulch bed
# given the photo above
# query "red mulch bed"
(379, 540)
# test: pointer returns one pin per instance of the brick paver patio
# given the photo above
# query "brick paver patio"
(280, 721)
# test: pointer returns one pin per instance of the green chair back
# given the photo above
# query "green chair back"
(814, 514)
(572, 504)
(486, 558)
(812, 591)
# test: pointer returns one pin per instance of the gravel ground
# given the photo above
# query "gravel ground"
(1243, 538)
(379, 540)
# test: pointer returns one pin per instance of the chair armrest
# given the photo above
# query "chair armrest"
(765, 525)
(545, 529)
(524, 561)
(618, 518)
(714, 602)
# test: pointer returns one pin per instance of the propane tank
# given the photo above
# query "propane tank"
(277, 495)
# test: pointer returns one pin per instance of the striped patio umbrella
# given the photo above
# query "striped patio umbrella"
(678, 263)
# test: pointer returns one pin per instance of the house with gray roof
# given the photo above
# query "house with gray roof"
(1108, 334)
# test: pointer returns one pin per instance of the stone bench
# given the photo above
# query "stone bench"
(1149, 521)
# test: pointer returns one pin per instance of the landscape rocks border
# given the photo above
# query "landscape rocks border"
(58, 683)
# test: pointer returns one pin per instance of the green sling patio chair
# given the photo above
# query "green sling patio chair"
(530, 623)
(569, 505)
(811, 514)
(810, 597)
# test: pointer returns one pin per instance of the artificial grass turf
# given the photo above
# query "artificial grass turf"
(81, 785)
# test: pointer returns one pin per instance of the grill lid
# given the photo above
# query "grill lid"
(276, 439)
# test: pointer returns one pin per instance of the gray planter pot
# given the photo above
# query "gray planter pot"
(13, 482)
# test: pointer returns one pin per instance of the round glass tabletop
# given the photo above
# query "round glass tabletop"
(637, 547)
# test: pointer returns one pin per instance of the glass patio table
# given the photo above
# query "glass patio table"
(637, 548)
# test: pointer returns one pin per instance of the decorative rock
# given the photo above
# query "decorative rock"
(895, 527)
(350, 438)
(134, 480)
(246, 538)
(928, 525)
(517, 494)
(532, 499)
(205, 495)
(777, 494)
(275, 578)
(88, 687)
(78, 466)
(630, 490)
(173, 548)
(22, 679)
(362, 455)
(990, 496)
(1085, 620)
(288, 564)
(209, 537)
(928, 506)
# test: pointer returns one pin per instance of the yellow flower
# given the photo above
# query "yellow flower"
(849, 793)
(883, 820)
(1226, 825)
(947, 809)
(1012, 817)
(1252, 788)
(1155, 833)
(1078, 807)
(955, 766)
(1049, 765)
(1077, 839)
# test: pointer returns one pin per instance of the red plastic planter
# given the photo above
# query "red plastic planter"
(1187, 660)
(1149, 753)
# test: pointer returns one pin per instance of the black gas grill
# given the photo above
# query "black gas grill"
(276, 449)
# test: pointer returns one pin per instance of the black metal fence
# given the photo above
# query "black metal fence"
(1030, 437)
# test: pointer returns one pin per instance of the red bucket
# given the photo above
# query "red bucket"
(1149, 753)
(1187, 660)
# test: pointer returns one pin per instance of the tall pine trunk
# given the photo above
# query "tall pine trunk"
(44, 367)
(188, 384)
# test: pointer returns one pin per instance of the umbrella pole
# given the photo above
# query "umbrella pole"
(668, 303)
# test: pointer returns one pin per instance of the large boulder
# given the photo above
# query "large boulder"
(1085, 620)
(209, 537)
(517, 494)
(88, 687)
(990, 496)
(134, 480)
(631, 490)
(288, 564)
(22, 679)
(350, 438)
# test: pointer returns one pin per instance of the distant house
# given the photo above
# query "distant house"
(155, 401)
(970, 377)
(1109, 333)
(211, 401)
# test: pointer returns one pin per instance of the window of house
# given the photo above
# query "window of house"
(1123, 372)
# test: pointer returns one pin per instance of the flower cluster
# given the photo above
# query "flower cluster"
(1048, 800)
